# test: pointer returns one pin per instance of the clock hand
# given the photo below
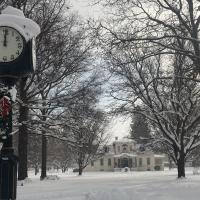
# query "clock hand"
(5, 38)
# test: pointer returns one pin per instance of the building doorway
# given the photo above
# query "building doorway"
(124, 162)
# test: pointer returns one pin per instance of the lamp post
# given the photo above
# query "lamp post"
(17, 60)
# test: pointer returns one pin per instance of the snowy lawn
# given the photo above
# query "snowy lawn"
(113, 186)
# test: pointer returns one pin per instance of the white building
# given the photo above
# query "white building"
(126, 153)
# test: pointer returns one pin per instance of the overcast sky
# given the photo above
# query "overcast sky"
(119, 126)
(85, 8)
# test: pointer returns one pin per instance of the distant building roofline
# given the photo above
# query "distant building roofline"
(125, 155)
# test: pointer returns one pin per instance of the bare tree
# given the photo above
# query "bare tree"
(60, 155)
(161, 24)
(34, 156)
(60, 71)
(63, 55)
(171, 100)
(153, 49)
(140, 130)
(49, 18)
(85, 125)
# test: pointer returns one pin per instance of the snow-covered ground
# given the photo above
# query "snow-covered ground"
(113, 186)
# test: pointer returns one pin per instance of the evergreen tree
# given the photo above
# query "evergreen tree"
(140, 130)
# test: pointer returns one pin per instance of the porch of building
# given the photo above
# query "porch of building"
(125, 160)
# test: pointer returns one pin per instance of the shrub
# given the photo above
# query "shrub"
(157, 168)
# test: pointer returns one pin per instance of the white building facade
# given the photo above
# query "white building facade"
(125, 153)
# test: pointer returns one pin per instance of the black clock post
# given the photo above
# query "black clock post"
(17, 60)
(8, 161)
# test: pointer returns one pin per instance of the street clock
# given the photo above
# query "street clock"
(17, 45)
(17, 56)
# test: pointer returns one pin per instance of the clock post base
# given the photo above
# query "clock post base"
(8, 175)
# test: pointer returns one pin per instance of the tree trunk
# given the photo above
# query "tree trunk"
(23, 133)
(181, 165)
(44, 144)
(63, 169)
(170, 164)
(22, 153)
(80, 171)
(80, 168)
(44, 157)
(36, 170)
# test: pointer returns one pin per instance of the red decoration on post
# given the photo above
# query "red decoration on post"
(5, 107)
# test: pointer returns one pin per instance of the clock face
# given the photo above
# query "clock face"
(11, 44)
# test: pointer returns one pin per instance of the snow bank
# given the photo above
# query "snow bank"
(26, 181)
(52, 177)
(151, 185)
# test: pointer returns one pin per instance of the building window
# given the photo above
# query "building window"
(140, 162)
(92, 163)
(101, 161)
(135, 162)
(158, 161)
(148, 161)
(124, 148)
(109, 162)
(106, 149)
